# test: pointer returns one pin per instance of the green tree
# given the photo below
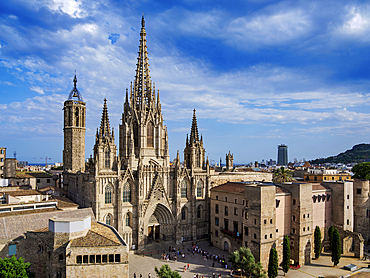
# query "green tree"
(362, 171)
(317, 241)
(14, 268)
(244, 260)
(166, 272)
(330, 235)
(286, 254)
(273, 264)
(335, 252)
(282, 175)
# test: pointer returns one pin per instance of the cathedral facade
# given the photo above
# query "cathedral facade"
(137, 190)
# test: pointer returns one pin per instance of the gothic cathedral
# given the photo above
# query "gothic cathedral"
(138, 192)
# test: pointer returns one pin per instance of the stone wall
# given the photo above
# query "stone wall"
(361, 204)
(105, 270)
(221, 178)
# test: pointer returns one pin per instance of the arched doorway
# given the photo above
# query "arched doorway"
(160, 224)
(226, 246)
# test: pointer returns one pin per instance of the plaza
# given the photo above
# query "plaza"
(144, 262)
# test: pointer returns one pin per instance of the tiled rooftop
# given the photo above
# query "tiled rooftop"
(40, 175)
(98, 236)
(22, 192)
(17, 224)
(237, 187)
(63, 202)
(319, 186)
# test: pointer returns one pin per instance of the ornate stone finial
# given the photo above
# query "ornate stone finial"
(142, 21)
(74, 92)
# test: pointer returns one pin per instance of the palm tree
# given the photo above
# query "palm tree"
(282, 175)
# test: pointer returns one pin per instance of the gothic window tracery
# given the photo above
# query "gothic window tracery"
(183, 213)
(108, 194)
(108, 219)
(126, 193)
(199, 189)
(150, 135)
(107, 159)
(128, 220)
(184, 189)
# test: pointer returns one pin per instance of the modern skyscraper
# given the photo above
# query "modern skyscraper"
(282, 155)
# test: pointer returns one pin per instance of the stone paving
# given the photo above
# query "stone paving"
(145, 263)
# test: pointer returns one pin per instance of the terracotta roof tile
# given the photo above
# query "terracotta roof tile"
(64, 202)
(40, 175)
(319, 186)
(98, 236)
(22, 192)
(237, 187)
(281, 190)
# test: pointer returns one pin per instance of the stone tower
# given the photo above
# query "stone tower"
(229, 161)
(74, 131)
(143, 136)
(194, 152)
(105, 149)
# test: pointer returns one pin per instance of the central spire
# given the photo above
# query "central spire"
(194, 135)
(142, 85)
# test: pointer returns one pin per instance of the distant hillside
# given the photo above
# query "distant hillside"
(358, 153)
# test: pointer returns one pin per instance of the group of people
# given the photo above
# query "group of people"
(174, 253)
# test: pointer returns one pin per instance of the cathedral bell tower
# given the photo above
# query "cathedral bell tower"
(194, 152)
(74, 131)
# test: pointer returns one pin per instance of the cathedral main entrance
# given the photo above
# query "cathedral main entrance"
(160, 225)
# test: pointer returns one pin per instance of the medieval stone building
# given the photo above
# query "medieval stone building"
(137, 191)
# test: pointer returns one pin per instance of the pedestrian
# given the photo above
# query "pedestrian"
(134, 274)
(141, 276)
(188, 266)
(149, 276)
(213, 265)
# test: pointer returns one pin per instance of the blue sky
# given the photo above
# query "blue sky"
(259, 73)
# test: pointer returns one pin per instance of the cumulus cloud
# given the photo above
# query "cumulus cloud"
(101, 43)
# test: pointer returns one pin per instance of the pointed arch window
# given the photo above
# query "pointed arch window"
(107, 159)
(136, 134)
(183, 213)
(150, 135)
(108, 194)
(199, 211)
(126, 193)
(184, 189)
(77, 114)
(199, 189)
(108, 219)
(128, 220)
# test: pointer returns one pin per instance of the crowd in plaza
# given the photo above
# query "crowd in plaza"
(176, 254)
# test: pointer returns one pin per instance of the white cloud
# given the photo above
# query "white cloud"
(38, 90)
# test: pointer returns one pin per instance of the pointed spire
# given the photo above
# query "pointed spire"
(104, 125)
(142, 89)
(126, 100)
(187, 139)
(194, 135)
